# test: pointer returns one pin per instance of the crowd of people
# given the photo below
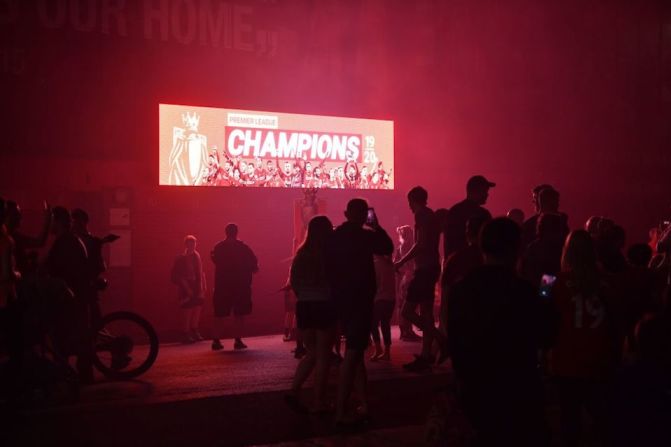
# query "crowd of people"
(60, 294)
(521, 302)
(235, 265)
(295, 174)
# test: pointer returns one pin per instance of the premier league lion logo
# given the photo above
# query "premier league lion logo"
(188, 157)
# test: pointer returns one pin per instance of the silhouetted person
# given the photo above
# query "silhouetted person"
(543, 255)
(461, 263)
(406, 239)
(640, 403)
(639, 255)
(516, 215)
(315, 312)
(496, 324)
(353, 282)
(610, 249)
(535, 196)
(422, 288)
(477, 192)
(235, 265)
(10, 328)
(68, 260)
(96, 262)
(8, 273)
(585, 354)
(547, 202)
(291, 332)
(94, 244)
(383, 310)
(23, 243)
(189, 277)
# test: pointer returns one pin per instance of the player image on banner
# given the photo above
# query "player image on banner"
(188, 157)
(266, 149)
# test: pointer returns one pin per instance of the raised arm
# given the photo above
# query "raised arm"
(382, 243)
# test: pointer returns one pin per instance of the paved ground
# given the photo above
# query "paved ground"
(184, 372)
(194, 396)
(387, 437)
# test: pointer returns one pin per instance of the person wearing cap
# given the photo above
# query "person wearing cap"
(454, 232)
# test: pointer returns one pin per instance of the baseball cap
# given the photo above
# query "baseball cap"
(478, 182)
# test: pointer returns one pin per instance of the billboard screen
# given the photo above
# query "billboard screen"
(203, 146)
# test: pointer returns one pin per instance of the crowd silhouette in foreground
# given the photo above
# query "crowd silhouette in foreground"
(527, 309)
(525, 306)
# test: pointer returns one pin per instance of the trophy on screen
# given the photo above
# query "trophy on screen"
(304, 210)
(188, 157)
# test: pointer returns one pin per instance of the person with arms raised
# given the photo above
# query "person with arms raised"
(352, 272)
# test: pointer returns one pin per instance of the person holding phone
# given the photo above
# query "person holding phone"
(352, 276)
(543, 254)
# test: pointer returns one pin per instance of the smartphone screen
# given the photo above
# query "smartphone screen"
(371, 218)
(546, 285)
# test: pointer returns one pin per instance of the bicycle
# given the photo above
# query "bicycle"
(125, 344)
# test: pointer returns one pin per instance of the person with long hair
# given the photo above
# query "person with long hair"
(406, 236)
(585, 354)
(315, 313)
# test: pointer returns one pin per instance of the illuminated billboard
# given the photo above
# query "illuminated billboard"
(203, 146)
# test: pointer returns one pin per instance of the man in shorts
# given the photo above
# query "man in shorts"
(421, 291)
(352, 273)
(235, 264)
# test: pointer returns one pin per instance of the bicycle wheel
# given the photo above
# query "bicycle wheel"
(126, 346)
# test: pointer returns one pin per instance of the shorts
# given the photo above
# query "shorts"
(238, 303)
(422, 287)
(320, 315)
(356, 324)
